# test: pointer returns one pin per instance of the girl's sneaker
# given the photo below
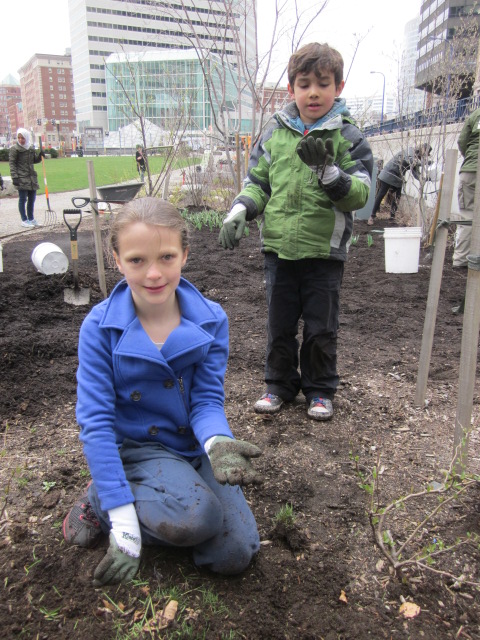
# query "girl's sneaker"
(82, 526)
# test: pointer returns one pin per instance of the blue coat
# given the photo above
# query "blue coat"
(128, 388)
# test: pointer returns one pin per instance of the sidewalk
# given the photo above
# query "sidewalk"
(10, 221)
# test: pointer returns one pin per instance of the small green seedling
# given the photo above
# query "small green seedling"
(22, 482)
(46, 486)
(285, 516)
(369, 239)
(51, 614)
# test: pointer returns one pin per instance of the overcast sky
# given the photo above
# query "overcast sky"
(41, 26)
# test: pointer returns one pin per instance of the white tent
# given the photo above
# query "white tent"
(129, 136)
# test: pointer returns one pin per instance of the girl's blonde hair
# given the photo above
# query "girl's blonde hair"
(152, 211)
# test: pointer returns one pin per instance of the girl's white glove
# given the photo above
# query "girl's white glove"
(126, 529)
(122, 559)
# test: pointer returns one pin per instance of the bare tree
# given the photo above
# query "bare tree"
(235, 74)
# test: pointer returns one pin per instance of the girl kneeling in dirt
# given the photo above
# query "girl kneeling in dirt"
(152, 358)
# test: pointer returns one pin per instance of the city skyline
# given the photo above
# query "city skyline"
(380, 28)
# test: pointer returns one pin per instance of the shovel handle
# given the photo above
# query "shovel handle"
(80, 202)
(72, 227)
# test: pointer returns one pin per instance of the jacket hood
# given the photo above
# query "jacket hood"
(290, 115)
(26, 134)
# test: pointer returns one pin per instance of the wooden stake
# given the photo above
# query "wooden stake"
(435, 215)
(469, 348)
(239, 165)
(96, 229)
(435, 277)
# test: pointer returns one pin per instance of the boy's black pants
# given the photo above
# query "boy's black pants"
(307, 289)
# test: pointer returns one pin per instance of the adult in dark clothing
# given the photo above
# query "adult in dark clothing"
(21, 158)
(468, 143)
(140, 160)
(392, 176)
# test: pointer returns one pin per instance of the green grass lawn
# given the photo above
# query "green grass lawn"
(70, 174)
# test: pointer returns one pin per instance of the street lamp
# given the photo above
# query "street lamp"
(383, 94)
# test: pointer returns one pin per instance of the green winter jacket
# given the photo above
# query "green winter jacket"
(302, 217)
(468, 142)
(22, 173)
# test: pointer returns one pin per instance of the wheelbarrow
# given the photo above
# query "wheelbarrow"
(110, 194)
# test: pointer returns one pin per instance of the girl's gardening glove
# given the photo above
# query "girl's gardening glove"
(233, 227)
(319, 156)
(122, 559)
(230, 460)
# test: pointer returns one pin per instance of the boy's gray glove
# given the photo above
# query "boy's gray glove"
(116, 566)
(233, 227)
(230, 460)
(319, 157)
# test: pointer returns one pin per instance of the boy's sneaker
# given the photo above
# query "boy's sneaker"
(27, 224)
(268, 403)
(81, 526)
(35, 223)
(320, 409)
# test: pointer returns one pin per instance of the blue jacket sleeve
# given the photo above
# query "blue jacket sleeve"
(96, 414)
(207, 394)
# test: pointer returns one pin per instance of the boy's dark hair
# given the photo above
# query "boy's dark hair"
(315, 57)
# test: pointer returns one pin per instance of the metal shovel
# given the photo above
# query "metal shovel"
(76, 295)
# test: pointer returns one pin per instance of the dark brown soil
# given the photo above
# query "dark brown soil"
(322, 577)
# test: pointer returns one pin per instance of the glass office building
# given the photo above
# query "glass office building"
(447, 49)
(99, 28)
(169, 88)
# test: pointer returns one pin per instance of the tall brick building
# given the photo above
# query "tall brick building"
(47, 96)
(9, 95)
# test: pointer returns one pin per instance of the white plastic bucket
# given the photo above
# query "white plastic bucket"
(402, 249)
(49, 259)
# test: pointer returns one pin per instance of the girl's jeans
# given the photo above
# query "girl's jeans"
(27, 197)
(180, 504)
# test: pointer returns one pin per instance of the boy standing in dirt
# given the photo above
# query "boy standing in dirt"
(308, 171)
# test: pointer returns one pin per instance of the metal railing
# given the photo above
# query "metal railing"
(456, 111)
